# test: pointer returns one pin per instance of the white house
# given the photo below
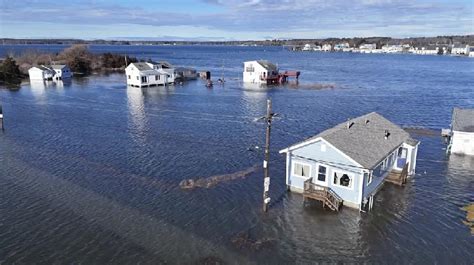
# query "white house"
(326, 47)
(340, 46)
(471, 51)
(460, 50)
(307, 47)
(167, 68)
(462, 132)
(62, 71)
(367, 48)
(41, 72)
(352, 160)
(392, 48)
(427, 50)
(261, 72)
(145, 74)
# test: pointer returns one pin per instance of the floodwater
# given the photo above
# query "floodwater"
(90, 169)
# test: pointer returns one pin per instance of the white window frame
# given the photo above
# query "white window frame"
(350, 175)
(301, 163)
(316, 180)
(370, 177)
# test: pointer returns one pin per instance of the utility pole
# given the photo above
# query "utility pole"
(1, 119)
(266, 182)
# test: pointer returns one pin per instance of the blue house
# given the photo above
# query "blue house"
(348, 164)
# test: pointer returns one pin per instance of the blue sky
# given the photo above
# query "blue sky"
(233, 19)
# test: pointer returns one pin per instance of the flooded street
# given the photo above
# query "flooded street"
(90, 170)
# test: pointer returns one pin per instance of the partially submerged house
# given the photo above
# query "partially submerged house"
(349, 163)
(462, 132)
(167, 68)
(260, 71)
(56, 72)
(147, 74)
(41, 72)
(62, 71)
(265, 72)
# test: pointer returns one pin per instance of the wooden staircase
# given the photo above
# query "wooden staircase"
(398, 178)
(323, 194)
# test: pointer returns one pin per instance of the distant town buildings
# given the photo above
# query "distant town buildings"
(455, 49)
(460, 50)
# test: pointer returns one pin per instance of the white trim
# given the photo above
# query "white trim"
(293, 162)
(350, 175)
(315, 140)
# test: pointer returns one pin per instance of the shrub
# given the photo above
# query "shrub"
(9, 72)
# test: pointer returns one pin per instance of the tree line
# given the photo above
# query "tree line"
(78, 57)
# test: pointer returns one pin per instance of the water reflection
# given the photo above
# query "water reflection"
(137, 116)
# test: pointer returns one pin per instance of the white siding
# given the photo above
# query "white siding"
(462, 143)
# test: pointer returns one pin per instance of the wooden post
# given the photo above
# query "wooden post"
(266, 182)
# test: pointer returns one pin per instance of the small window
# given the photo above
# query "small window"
(138, 78)
(129, 77)
(342, 179)
(157, 77)
(322, 173)
(301, 170)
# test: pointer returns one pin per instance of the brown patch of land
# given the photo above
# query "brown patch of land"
(422, 131)
(208, 182)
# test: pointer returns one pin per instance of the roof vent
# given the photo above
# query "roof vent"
(349, 124)
(367, 121)
(387, 134)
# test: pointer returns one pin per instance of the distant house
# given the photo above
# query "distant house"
(307, 47)
(41, 72)
(351, 161)
(367, 48)
(460, 50)
(340, 46)
(430, 50)
(392, 48)
(62, 71)
(462, 132)
(326, 47)
(260, 72)
(145, 74)
(471, 51)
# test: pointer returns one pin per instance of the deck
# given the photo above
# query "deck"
(398, 177)
(323, 194)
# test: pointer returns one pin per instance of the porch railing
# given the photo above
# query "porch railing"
(323, 194)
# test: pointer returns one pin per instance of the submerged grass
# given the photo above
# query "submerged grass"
(469, 216)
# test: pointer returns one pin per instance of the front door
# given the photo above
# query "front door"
(321, 177)
(402, 157)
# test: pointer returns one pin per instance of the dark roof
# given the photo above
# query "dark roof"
(164, 65)
(364, 141)
(58, 66)
(42, 67)
(463, 120)
(267, 65)
(142, 66)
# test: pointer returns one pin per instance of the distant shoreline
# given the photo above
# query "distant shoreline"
(356, 41)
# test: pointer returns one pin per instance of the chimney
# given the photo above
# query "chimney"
(387, 134)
